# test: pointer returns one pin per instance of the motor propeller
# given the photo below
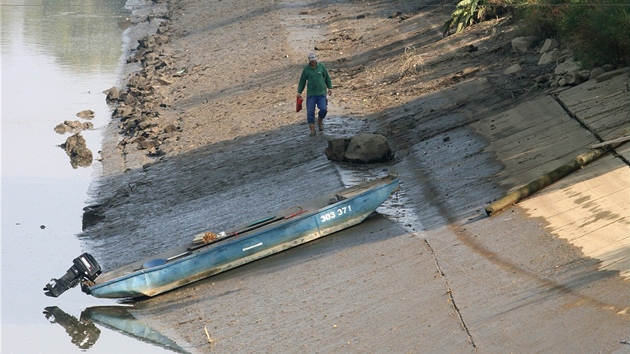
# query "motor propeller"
(84, 267)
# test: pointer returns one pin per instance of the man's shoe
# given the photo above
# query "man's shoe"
(320, 122)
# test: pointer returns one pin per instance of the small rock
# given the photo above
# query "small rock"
(549, 57)
(112, 94)
(572, 78)
(596, 72)
(470, 48)
(513, 69)
(568, 65)
(86, 114)
(548, 45)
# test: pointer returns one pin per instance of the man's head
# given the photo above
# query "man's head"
(312, 58)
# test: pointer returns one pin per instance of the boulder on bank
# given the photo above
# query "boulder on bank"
(362, 148)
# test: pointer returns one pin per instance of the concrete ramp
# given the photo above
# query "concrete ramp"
(591, 207)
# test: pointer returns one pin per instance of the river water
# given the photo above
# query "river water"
(57, 59)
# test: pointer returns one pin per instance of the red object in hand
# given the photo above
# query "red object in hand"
(298, 104)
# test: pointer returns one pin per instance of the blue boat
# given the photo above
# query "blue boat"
(208, 253)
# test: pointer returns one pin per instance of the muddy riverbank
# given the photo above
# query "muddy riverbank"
(211, 139)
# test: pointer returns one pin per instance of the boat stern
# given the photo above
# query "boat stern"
(84, 268)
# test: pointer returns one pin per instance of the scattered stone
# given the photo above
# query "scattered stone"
(567, 65)
(170, 129)
(513, 69)
(596, 72)
(543, 81)
(548, 45)
(521, 45)
(77, 150)
(573, 78)
(73, 127)
(112, 94)
(470, 48)
(147, 144)
(86, 114)
(549, 57)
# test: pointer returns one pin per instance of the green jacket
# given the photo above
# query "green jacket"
(317, 78)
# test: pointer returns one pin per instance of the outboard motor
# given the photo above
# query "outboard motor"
(85, 268)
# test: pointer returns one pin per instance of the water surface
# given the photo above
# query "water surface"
(57, 58)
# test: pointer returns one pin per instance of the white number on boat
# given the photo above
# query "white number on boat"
(331, 215)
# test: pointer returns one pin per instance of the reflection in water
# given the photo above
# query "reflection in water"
(83, 35)
(84, 333)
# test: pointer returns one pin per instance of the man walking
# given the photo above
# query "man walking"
(316, 80)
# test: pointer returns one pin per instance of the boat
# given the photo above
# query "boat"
(210, 253)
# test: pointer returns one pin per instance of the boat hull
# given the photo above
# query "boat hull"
(227, 254)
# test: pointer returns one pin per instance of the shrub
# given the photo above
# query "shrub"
(598, 31)
(469, 12)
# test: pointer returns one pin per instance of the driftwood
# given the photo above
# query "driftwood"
(553, 176)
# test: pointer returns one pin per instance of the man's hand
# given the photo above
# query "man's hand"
(329, 92)
(299, 95)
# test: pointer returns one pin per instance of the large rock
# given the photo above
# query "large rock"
(568, 65)
(77, 150)
(523, 44)
(368, 148)
(336, 149)
(549, 57)
(548, 45)
(73, 127)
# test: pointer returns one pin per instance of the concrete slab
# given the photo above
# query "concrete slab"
(602, 105)
(590, 208)
(532, 139)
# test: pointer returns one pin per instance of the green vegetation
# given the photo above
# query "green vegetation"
(598, 31)
(469, 12)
